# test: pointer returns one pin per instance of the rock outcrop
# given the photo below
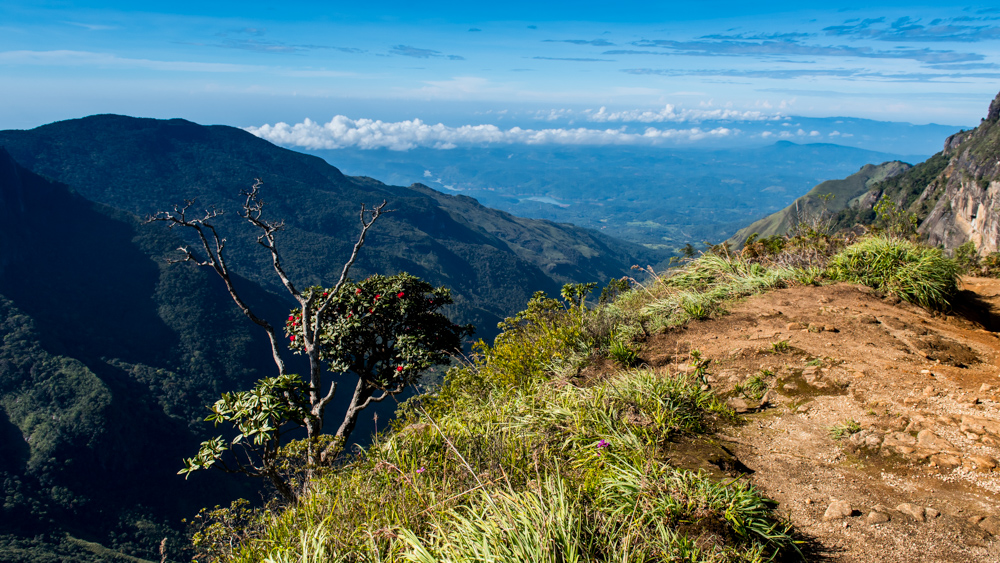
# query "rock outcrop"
(967, 206)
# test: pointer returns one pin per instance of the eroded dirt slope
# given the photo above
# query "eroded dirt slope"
(912, 472)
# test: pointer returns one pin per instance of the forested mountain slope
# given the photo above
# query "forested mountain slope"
(108, 357)
(109, 353)
(493, 261)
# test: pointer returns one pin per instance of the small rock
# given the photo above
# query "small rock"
(767, 399)
(739, 405)
(912, 510)
(928, 391)
(830, 328)
(931, 513)
(790, 387)
(946, 461)
(873, 441)
(802, 409)
(838, 509)
(976, 519)
(972, 428)
(949, 419)
(900, 423)
(986, 387)
(795, 326)
(809, 501)
(982, 463)
(875, 517)
(931, 441)
(991, 524)
(988, 441)
(897, 439)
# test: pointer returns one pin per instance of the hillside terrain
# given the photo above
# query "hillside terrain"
(734, 409)
(110, 354)
(913, 472)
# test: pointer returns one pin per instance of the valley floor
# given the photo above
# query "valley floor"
(880, 432)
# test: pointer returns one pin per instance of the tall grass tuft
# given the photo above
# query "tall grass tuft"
(544, 525)
(914, 273)
(699, 290)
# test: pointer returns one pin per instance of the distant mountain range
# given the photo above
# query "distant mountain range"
(657, 196)
(109, 354)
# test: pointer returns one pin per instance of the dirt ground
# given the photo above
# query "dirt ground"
(878, 431)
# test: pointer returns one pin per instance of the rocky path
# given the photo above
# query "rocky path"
(875, 424)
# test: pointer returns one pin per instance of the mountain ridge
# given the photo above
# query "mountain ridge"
(429, 234)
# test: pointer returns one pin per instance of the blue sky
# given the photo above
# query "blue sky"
(455, 72)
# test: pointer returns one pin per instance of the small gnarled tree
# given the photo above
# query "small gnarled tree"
(385, 330)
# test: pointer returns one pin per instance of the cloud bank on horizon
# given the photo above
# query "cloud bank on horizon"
(726, 62)
(342, 132)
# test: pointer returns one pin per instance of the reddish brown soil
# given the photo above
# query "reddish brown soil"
(921, 386)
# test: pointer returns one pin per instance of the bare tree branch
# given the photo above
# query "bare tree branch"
(217, 261)
(253, 209)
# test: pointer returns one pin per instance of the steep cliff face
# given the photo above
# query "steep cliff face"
(966, 195)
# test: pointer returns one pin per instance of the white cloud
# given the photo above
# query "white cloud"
(342, 132)
(80, 58)
(671, 114)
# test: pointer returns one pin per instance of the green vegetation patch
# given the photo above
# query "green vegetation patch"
(700, 289)
(912, 272)
(509, 461)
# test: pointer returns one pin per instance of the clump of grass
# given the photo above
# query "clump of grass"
(546, 525)
(914, 273)
(623, 353)
(844, 429)
(809, 275)
(753, 388)
(738, 521)
(702, 287)
(780, 347)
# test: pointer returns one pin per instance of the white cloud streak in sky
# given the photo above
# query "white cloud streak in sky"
(671, 114)
(88, 58)
(343, 132)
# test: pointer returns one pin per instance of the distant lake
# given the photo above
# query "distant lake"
(546, 199)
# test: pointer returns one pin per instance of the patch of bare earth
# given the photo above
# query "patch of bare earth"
(916, 478)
